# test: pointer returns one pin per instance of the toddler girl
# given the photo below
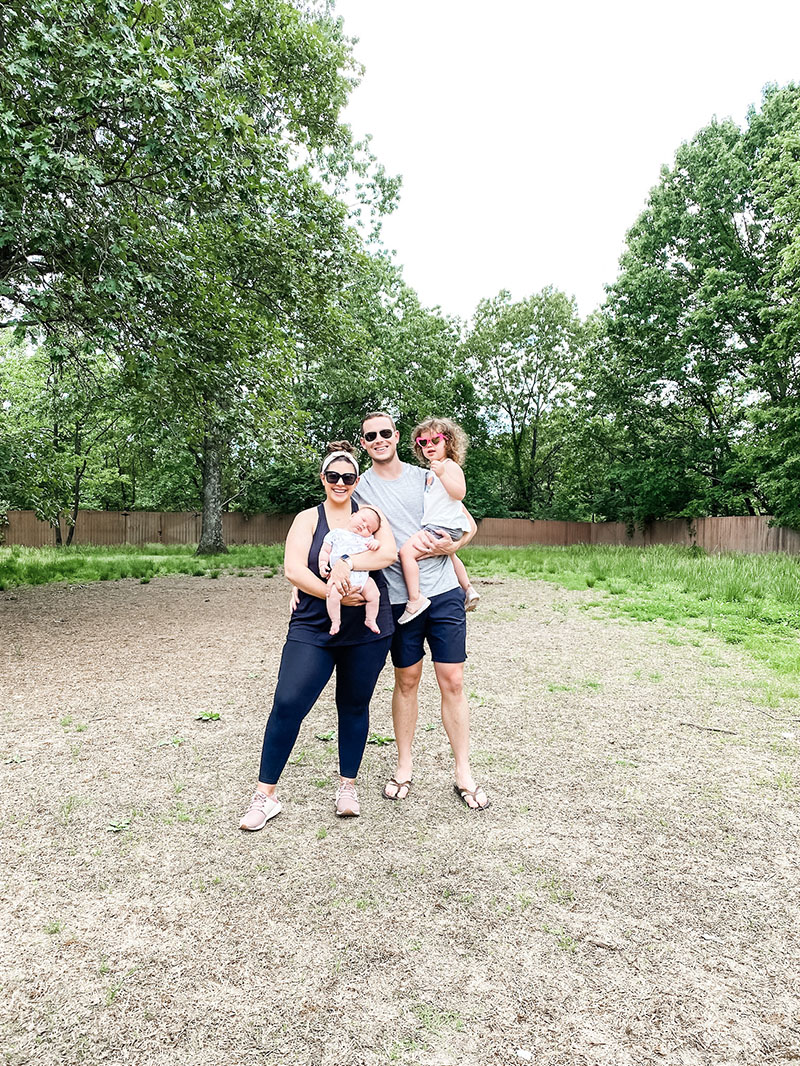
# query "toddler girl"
(442, 444)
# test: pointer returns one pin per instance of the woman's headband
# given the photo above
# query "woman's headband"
(326, 462)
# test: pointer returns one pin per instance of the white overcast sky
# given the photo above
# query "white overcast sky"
(528, 134)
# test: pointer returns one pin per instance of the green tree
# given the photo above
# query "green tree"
(525, 358)
(701, 341)
(55, 414)
(174, 191)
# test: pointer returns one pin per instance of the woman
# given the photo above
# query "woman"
(311, 653)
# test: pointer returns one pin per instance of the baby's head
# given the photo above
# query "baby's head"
(366, 522)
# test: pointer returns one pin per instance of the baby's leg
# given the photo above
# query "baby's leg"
(334, 604)
(409, 553)
(372, 595)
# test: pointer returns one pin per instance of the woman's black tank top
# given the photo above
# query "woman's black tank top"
(310, 623)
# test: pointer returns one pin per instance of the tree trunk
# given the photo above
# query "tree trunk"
(211, 540)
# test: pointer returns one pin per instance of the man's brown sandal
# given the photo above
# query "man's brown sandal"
(463, 793)
(398, 785)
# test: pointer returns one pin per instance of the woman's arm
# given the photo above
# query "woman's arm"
(295, 559)
(367, 560)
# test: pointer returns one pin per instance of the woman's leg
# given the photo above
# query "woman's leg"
(357, 670)
(304, 672)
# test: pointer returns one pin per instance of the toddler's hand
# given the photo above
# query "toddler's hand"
(437, 466)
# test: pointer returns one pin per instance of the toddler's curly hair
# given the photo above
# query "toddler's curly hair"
(456, 441)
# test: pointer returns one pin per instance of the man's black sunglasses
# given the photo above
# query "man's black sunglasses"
(373, 433)
(333, 477)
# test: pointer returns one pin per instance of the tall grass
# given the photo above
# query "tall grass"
(41, 566)
(753, 600)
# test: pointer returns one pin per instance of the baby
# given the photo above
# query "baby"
(358, 537)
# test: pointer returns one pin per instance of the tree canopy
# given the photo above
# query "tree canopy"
(195, 298)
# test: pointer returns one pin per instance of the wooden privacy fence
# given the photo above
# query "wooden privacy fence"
(744, 534)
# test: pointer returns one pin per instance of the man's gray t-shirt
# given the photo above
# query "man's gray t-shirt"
(402, 500)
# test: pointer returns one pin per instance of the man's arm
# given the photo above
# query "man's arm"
(443, 545)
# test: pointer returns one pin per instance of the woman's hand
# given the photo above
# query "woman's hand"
(340, 577)
(353, 599)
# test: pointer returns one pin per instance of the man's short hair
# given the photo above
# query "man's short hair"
(376, 414)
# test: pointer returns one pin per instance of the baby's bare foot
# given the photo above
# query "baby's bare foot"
(334, 629)
(372, 625)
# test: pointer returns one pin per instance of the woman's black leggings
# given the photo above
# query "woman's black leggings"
(305, 671)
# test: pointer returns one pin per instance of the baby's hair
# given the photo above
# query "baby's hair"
(341, 446)
(366, 508)
(455, 444)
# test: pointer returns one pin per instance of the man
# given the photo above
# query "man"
(397, 489)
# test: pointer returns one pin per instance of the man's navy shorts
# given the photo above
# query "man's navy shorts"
(443, 625)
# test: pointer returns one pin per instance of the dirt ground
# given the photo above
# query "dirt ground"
(631, 897)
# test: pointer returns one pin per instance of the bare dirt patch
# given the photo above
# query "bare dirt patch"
(631, 896)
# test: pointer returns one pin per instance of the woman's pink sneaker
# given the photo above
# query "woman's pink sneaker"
(262, 808)
(347, 805)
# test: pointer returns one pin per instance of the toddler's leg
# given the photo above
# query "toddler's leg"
(412, 550)
(471, 597)
(409, 553)
(373, 597)
(334, 604)
(461, 572)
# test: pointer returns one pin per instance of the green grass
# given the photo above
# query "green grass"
(80, 565)
(751, 600)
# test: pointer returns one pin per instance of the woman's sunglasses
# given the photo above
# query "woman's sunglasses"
(333, 477)
(373, 433)
(423, 442)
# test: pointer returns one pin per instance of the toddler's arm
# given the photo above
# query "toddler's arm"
(451, 476)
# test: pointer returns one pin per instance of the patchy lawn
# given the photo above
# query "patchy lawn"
(631, 897)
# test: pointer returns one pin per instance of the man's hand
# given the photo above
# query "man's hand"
(353, 599)
(442, 544)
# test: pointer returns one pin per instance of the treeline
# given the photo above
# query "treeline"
(195, 297)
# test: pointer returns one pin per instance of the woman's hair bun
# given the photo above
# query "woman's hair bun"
(339, 446)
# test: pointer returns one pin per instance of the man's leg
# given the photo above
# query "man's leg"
(455, 719)
(405, 709)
